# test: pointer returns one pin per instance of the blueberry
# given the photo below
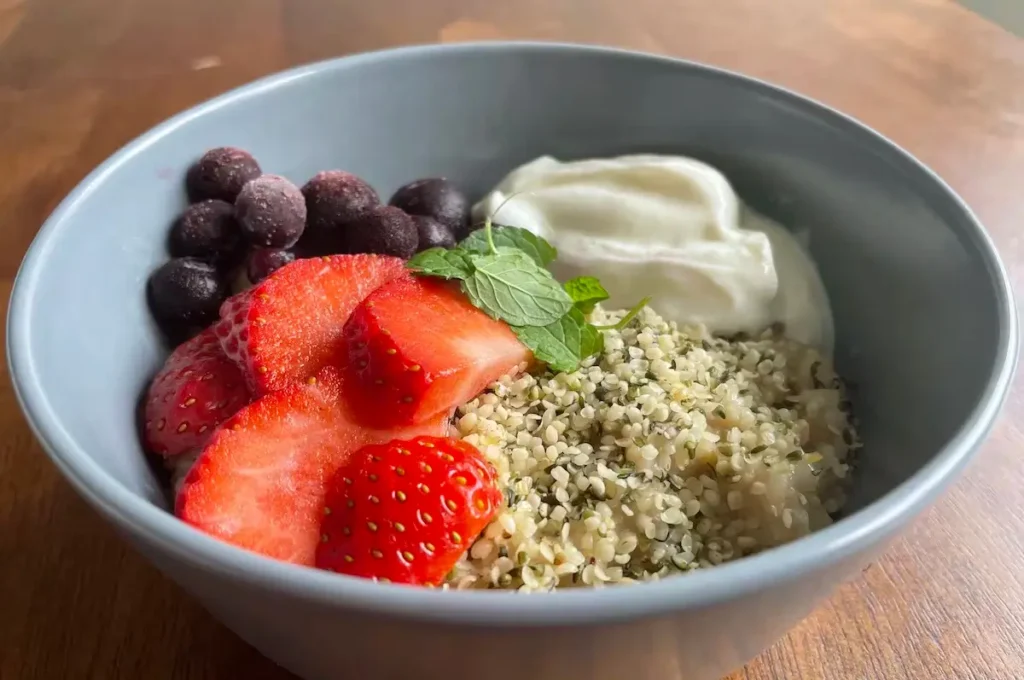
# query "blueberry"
(262, 262)
(432, 234)
(385, 230)
(334, 198)
(438, 198)
(185, 294)
(220, 173)
(206, 229)
(271, 212)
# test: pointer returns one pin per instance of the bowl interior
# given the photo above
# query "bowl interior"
(916, 306)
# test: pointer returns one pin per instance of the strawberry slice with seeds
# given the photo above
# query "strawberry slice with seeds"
(287, 327)
(260, 482)
(406, 511)
(416, 347)
(197, 389)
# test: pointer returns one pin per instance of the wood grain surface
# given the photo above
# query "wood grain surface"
(78, 78)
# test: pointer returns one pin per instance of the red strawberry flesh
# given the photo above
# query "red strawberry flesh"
(417, 347)
(197, 388)
(260, 482)
(406, 511)
(289, 326)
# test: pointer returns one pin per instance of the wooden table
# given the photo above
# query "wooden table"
(80, 77)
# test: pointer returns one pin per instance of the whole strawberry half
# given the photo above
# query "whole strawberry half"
(287, 327)
(197, 389)
(406, 511)
(417, 346)
(261, 480)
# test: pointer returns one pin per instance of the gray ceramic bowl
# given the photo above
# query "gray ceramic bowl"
(925, 324)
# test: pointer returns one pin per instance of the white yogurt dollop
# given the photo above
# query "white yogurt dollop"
(674, 229)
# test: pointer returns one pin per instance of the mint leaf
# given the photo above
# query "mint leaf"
(447, 264)
(503, 273)
(585, 291)
(591, 340)
(511, 287)
(539, 250)
(559, 344)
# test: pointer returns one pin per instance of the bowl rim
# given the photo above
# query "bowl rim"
(851, 535)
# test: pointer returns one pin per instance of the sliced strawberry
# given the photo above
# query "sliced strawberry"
(417, 347)
(406, 511)
(287, 327)
(260, 482)
(196, 390)
(233, 331)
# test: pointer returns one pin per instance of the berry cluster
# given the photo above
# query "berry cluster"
(242, 225)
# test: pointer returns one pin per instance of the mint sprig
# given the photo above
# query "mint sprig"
(503, 272)
(511, 287)
(443, 263)
(539, 250)
(558, 344)
(585, 291)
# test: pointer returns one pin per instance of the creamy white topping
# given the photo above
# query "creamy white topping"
(672, 228)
